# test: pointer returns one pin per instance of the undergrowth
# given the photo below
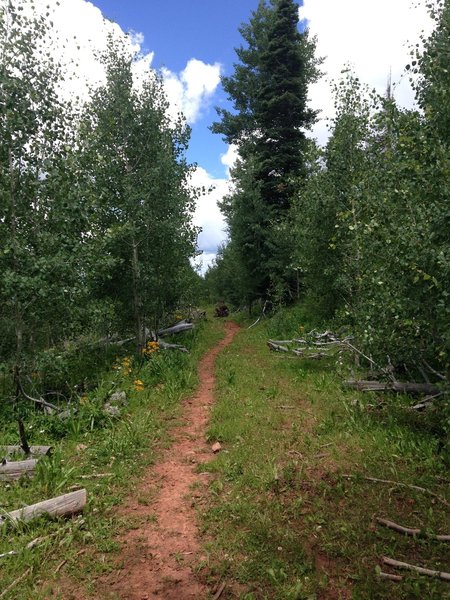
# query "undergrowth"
(103, 453)
(291, 515)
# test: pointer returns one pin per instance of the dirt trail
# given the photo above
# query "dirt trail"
(156, 560)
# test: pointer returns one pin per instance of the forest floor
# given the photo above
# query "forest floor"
(286, 509)
(158, 557)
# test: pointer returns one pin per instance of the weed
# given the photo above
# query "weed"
(286, 525)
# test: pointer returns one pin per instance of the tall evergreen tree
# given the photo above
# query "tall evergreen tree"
(269, 94)
(281, 109)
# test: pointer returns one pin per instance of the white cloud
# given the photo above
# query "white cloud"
(208, 215)
(191, 90)
(229, 158)
(205, 260)
(374, 37)
(80, 35)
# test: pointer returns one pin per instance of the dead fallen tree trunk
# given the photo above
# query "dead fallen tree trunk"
(177, 328)
(62, 506)
(277, 347)
(166, 346)
(6, 451)
(10, 471)
(392, 386)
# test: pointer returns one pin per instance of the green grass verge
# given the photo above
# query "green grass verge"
(103, 454)
(283, 521)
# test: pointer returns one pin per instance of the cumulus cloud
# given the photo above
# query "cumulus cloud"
(373, 37)
(191, 90)
(229, 158)
(79, 36)
(208, 215)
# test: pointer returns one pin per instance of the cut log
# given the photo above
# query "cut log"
(10, 471)
(177, 328)
(392, 386)
(65, 505)
(6, 451)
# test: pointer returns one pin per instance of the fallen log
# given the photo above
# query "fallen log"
(65, 505)
(392, 386)
(410, 531)
(10, 471)
(277, 347)
(166, 346)
(402, 565)
(6, 451)
(177, 328)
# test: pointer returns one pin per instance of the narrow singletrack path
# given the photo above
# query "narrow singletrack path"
(157, 558)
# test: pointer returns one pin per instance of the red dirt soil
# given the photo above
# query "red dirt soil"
(157, 558)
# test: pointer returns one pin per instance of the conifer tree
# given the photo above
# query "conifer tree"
(269, 94)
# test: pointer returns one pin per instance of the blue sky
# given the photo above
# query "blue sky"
(179, 30)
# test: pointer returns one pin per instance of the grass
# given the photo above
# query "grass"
(105, 455)
(282, 520)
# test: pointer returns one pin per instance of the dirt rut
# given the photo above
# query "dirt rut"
(157, 558)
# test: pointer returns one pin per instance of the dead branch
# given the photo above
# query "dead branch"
(316, 356)
(400, 484)
(426, 401)
(14, 583)
(23, 438)
(10, 553)
(277, 347)
(39, 401)
(263, 314)
(393, 386)
(352, 347)
(411, 531)
(220, 590)
(390, 576)
(440, 375)
(402, 565)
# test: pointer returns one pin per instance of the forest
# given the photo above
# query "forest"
(342, 250)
